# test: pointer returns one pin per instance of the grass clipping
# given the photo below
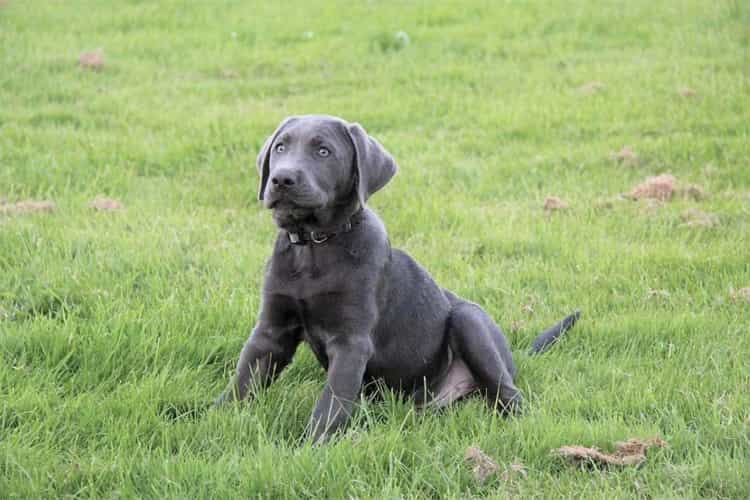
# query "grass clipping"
(104, 204)
(93, 60)
(26, 206)
(485, 467)
(630, 452)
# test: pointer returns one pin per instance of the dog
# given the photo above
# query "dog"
(368, 311)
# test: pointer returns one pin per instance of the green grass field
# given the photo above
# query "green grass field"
(117, 328)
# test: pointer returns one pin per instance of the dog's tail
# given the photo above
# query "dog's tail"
(551, 335)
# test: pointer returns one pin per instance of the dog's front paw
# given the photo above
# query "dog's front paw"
(230, 395)
(222, 400)
(511, 406)
(316, 437)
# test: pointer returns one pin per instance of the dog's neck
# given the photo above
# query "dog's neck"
(323, 224)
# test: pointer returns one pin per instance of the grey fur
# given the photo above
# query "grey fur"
(368, 312)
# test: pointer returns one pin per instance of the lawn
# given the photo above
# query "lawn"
(118, 327)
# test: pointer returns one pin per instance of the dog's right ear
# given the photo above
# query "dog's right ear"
(264, 156)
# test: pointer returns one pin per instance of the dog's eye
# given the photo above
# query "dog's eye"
(324, 152)
(280, 148)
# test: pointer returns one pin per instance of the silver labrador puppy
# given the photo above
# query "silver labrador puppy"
(368, 311)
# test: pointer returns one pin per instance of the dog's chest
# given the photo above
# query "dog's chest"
(302, 272)
(330, 290)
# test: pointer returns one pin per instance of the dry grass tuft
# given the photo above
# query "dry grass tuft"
(630, 452)
(27, 206)
(555, 204)
(104, 204)
(93, 60)
(660, 187)
(591, 88)
(482, 465)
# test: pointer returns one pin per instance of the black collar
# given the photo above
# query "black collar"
(318, 237)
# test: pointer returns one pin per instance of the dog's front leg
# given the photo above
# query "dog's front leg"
(348, 359)
(266, 353)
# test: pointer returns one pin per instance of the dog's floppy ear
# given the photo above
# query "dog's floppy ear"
(264, 156)
(373, 164)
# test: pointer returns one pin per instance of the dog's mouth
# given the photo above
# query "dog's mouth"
(291, 211)
(292, 207)
(288, 213)
(292, 218)
(306, 210)
(294, 201)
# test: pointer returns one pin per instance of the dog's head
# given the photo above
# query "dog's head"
(314, 167)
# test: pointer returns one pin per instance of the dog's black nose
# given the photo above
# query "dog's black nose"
(284, 178)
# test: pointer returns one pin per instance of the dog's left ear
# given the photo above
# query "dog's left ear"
(263, 162)
(373, 164)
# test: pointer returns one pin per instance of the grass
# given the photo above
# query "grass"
(117, 328)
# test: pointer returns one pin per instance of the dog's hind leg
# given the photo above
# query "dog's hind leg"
(480, 343)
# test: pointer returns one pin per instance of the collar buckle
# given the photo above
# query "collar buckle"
(318, 237)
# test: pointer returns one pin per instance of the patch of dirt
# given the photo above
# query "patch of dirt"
(93, 60)
(650, 206)
(693, 192)
(608, 203)
(604, 204)
(660, 187)
(229, 74)
(692, 217)
(482, 465)
(554, 204)
(626, 156)
(664, 187)
(529, 309)
(514, 470)
(104, 204)
(687, 92)
(709, 170)
(630, 452)
(27, 206)
(657, 295)
(591, 88)
(516, 325)
(741, 295)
